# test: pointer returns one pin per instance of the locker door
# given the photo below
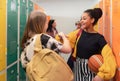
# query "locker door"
(100, 23)
(12, 73)
(107, 20)
(116, 34)
(30, 6)
(2, 34)
(12, 30)
(12, 39)
(23, 17)
(3, 76)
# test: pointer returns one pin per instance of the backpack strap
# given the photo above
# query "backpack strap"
(38, 45)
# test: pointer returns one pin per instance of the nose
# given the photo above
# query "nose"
(81, 21)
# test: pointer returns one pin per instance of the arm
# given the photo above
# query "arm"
(107, 70)
(51, 43)
(71, 37)
(66, 44)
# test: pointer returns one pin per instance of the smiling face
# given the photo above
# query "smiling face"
(86, 21)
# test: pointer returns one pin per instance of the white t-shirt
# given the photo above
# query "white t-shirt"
(47, 42)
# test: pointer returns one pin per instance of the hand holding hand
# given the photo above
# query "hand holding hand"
(61, 34)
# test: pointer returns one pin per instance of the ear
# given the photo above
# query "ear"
(92, 20)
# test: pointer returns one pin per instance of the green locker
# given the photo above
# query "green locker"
(30, 6)
(12, 73)
(26, 6)
(23, 17)
(12, 30)
(22, 74)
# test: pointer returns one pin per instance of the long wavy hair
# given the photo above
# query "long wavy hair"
(35, 25)
(49, 29)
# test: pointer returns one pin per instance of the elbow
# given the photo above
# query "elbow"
(108, 74)
(66, 50)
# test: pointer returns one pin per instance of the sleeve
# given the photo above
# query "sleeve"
(23, 59)
(102, 42)
(108, 68)
(72, 37)
(51, 43)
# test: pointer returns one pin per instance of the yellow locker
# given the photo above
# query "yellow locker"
(3, 77)
(2, 34)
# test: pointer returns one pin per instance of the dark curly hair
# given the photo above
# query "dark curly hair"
(95, 13)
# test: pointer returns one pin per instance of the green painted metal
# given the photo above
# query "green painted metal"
(12, 30)
(12, 73)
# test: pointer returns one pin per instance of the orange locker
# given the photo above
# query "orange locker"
(100, 28)
(104, 23)
(107, 20)
(116, 34)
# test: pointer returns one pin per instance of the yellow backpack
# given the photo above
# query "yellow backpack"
(47, 65)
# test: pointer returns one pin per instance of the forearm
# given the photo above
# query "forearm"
(107, 70)
(66, 46)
